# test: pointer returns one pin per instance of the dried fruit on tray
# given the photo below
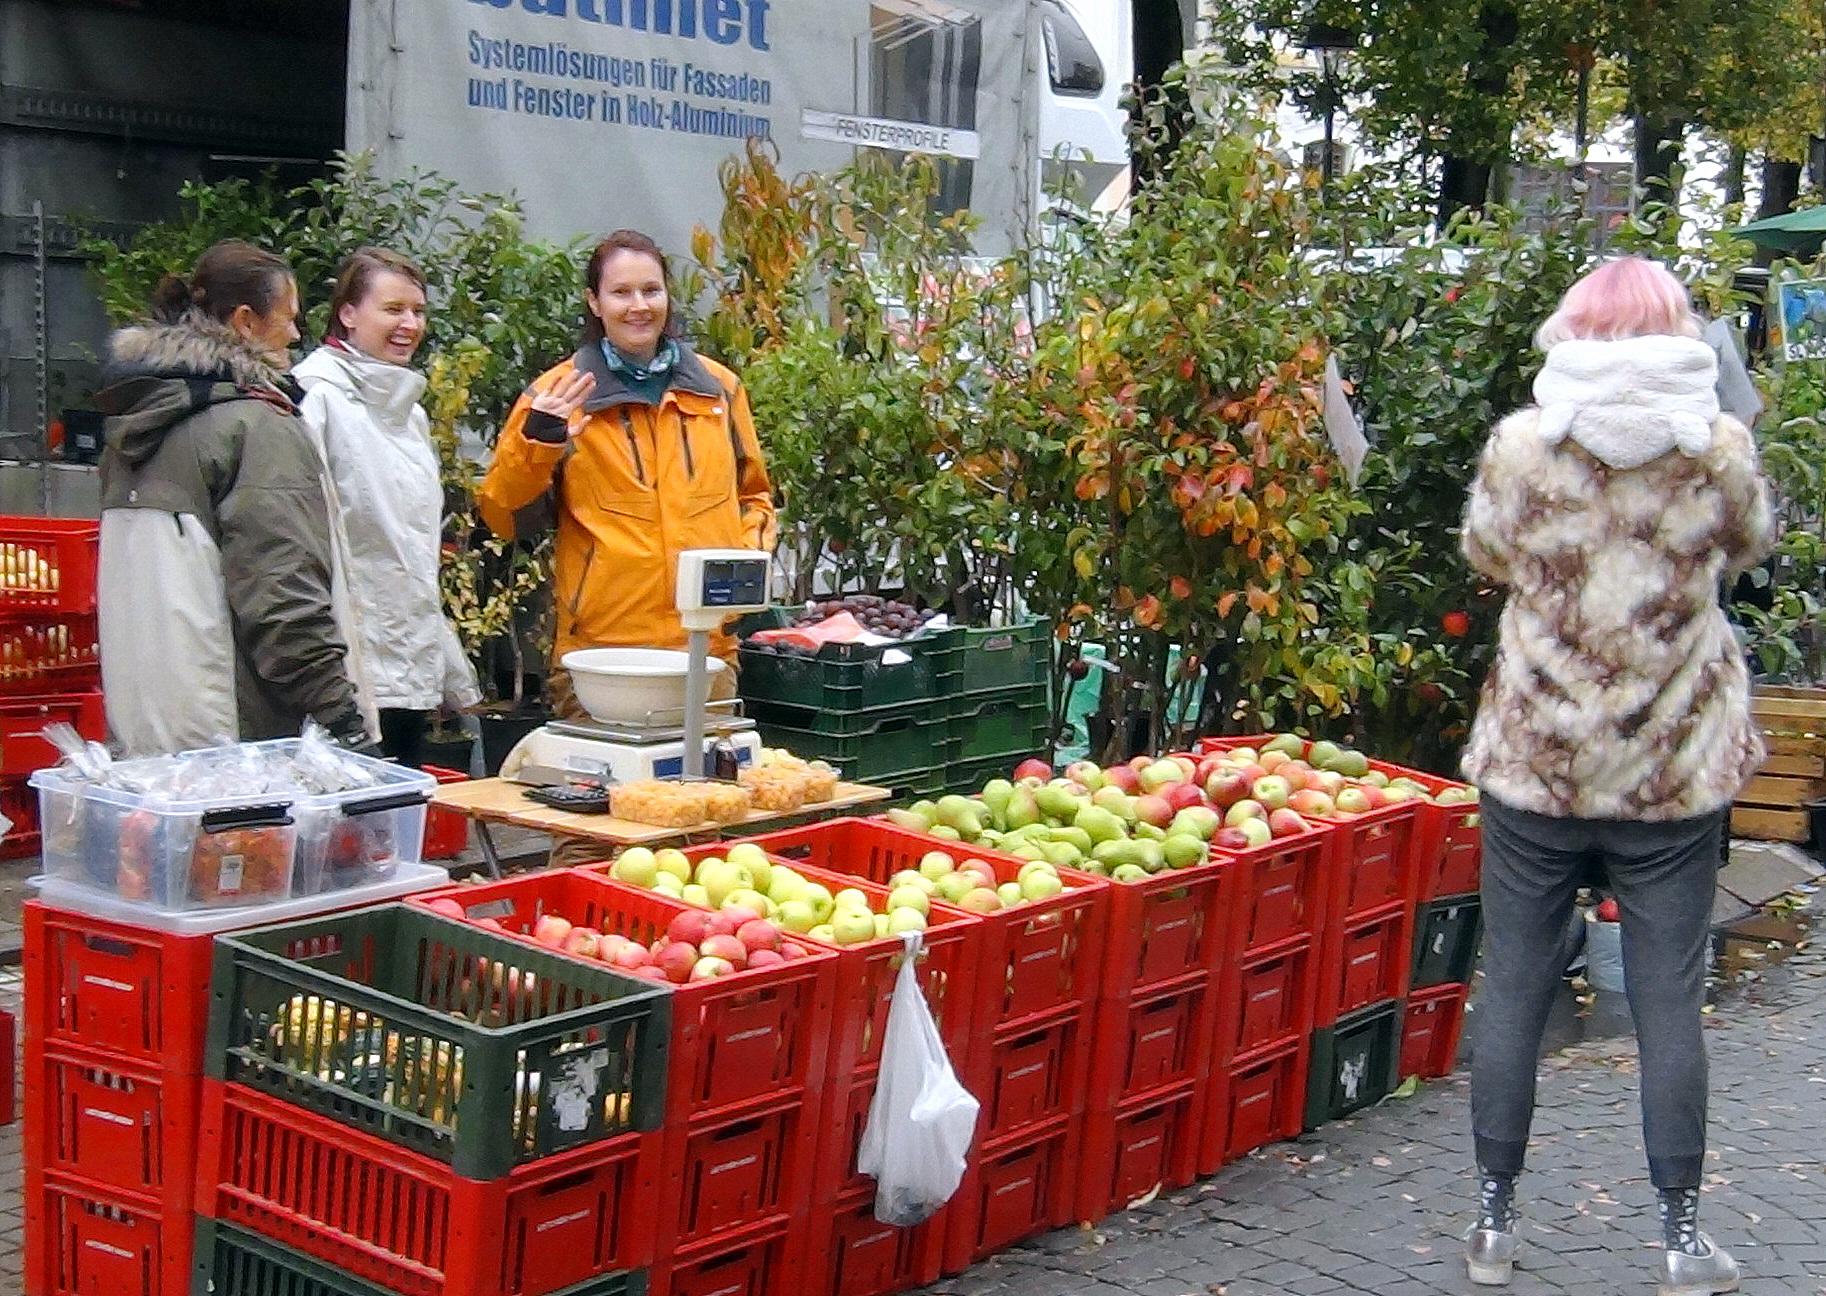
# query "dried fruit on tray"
(776, 788)
(726, 803)
(660, 803)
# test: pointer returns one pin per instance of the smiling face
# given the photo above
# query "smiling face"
(630, 299)
(388, 322)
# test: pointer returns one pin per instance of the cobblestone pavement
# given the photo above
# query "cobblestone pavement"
(1377, 1204)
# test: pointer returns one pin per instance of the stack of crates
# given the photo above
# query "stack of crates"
(50, 656)
(429, 1107)
(1002, 711)
(1448, 928)
(114, 1048)
(1020, 1039)
(1279, 921)
(879, 713)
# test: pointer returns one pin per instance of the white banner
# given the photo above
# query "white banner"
(601, 114)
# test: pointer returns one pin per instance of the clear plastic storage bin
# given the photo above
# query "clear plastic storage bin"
(237, 849)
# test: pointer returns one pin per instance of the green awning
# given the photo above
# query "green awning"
(1796, 232)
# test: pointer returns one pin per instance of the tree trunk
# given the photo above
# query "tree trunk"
(1465, 181)
(1781, 186)
(1462, 183)
(1658, 144)
(1735, 165)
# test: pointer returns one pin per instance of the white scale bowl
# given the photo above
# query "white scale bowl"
(633, 686)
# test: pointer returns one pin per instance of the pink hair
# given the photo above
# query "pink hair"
(1625, 298)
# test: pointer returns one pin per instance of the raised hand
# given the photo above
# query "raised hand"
(565, 396)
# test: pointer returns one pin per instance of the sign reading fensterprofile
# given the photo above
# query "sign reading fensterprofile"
(884, 133)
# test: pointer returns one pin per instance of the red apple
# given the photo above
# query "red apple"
(1139, 763)
(677, 960)
(1124, 777)
(1257, 831)
(765, 958)
(709, 968)
(1271, 791)
(1033, 767)
(1183, 796)
(1287, 823)
(758, 935)
(1226, 787)
(725, 922)
(1608, 910)
(448, 907)
(1252, 771)
(1186, 763)
(1273, 760)
(1311, 802)
(551, 930)
(493, 924)
(631, 956)
(1231, 839)
(1206, 768)
(1155, 809)
(689, 927)
(1236, 814)
(582, 942)
(725, 947)
(1330, 782)
(791, 952)
(650, 972)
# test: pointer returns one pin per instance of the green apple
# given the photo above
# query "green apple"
(749, 899)
(905, 920)
(637, 867)
(933, 865)
(1160, 774)
(881, 923)
(1009, 893)
(981, 900)
(909, 897)
(1199, 821)
(1256, 830)
(695, 895)
(914, 878)
(819, 899)
(852, 927)
(720, 877)
(783, 884)
(673, 862)
(1041, 886)
(754, 859)
(797, 916)
(850, 898)
(668, 885)
(953, 887)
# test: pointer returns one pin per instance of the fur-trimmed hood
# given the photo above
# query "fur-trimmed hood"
(161, 372)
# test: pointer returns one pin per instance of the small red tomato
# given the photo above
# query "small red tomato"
(1456, 624)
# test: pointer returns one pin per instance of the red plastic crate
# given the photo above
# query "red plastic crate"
(48, 564)
(1033, 1076)
(129, 1127)
(757, 1261)
(1279, 889)
(133, 991)
(1365, 962)
(1372, 859)
(1430, 1031)
(51, 654)
(719, 1175)
(19, 802)
(1253, 1103)
(446, 831)
(407, 1223)
(861, 1256)
(1038, 958)
(1153, 1039)
(1148, 1143)
(866, 972)
(82, 1239)
(1267, 1000)
(22, 748)
(760, 1033)
(1013, 1190)
(1166, 928)
(1448, 839)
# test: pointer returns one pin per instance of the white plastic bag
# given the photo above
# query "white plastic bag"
(922, 1120)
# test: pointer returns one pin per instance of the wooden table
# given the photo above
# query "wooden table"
(497, 801)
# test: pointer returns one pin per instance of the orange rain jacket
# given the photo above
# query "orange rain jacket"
(636, 486)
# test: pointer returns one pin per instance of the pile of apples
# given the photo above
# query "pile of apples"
(697, 946)
(1321, 780)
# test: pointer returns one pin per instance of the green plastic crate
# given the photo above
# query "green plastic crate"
(1355, 1063)
(896, 742)
(478, 1050)
(1008, 723)
(231, 1261)
(1005, 657)
(841, 678)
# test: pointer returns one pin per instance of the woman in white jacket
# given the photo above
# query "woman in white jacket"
(387, 499)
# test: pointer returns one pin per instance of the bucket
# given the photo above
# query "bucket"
(1603, 954)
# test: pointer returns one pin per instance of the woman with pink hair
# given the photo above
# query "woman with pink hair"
(1614, 727)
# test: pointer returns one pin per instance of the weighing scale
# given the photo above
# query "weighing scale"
(713, 585)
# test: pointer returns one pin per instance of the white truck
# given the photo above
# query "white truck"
(602, 114)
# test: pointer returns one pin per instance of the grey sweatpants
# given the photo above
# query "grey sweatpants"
(1663, 875)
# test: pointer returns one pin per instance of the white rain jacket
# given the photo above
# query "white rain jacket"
(389, 503)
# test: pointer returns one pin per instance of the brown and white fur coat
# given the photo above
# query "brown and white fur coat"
(1613, 510)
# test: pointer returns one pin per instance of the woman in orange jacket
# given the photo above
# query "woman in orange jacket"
(644, 448)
